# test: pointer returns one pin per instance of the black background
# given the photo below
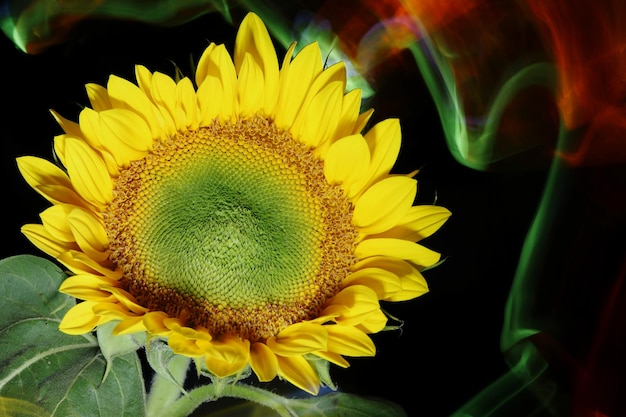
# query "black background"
(448, 349)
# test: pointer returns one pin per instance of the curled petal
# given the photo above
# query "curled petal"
(184, 346)
(129, 325)
(80, 319)
(153, 322)
(352, 305)
(79, 263)
(227, 355)
(87, 287)
(299, 339)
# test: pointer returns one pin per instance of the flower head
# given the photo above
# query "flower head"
(244, 219)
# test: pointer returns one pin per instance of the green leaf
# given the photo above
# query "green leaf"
(10, 407)
(160, 357)
(322, 367)
(117, 345)
(345, 405)
(58, 373)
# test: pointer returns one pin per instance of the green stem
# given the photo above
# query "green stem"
(185, 405)
(163, 391)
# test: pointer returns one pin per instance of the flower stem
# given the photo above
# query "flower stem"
(185, 405)
(163, 391)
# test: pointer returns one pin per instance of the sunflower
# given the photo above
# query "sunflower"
(245, 219)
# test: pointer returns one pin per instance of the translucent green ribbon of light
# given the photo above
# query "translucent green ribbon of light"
(34, 26)
(472, 146)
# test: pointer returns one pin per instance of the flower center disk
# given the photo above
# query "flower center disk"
(233, 228)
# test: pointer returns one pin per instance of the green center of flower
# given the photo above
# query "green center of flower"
(233, 228)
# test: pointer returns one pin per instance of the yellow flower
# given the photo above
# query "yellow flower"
(246, 220)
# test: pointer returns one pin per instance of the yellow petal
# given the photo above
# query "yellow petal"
(384, 204)
(89, 234)
(86, 286)
(332, 74)
(153, 322)
(163, 91)
(49, 180)
(227, 356)
(352, 305)
(401, 249)
(413, 286)
(349, 341)
(319, 117)
(210, 96)
(39, 236)
(175, 324)
(54, 220)
(298, 339)
(380, 280)
(129, 325)
(88, 173)
(121, 132)
(373, 322)
(80, 319)
(126, 95)
(126, 300)
(297, 371)
(220, 66)
(254, 40)
(419, 223)
(112, 311)
(333, 358)
(349, 113)
(68, 126)
(183, 346)
(98, 97)
(347, 161)
(144, 80)
(250, 87)
(79, 263)
(202, 68)
(362, 121)
(412, 283)
(296, 78)
(263, 362)
(384, 140)
(186, 105)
